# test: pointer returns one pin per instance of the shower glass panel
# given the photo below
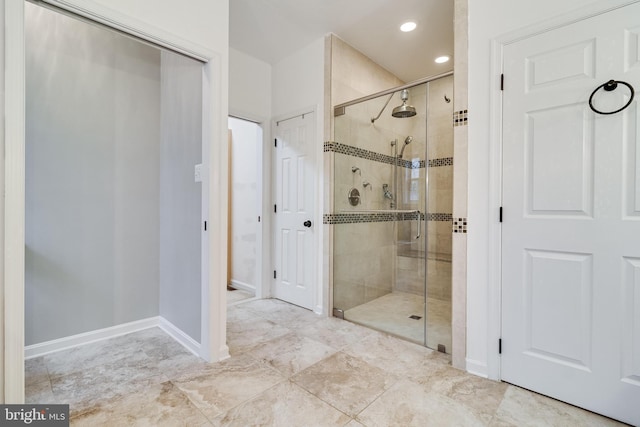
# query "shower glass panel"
(392, 245)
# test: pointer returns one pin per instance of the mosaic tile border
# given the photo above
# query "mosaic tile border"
(439, 217)
(460, 118)
(444, 161)
(354, 218)
(349, 150)
(459, 225)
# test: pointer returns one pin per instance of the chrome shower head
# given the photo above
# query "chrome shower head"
(404, 110)
(407, 141)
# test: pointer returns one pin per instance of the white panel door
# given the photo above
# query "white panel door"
(294, 219)
(571, 230)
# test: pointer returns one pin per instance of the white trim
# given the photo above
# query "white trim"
(477, 368)
(182, 338)
(494, 322)
(237, 284)
(247, 117)
(40, 349)
(494, 245)
(580, 14)
(260, 149)
(14, 193)
(321, 299)
(48, 347)
(111, 18)
(215, 157)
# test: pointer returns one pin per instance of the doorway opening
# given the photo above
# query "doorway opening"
(245, 262)
(114, 186)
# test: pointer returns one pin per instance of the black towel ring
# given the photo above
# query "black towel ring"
(609, 86)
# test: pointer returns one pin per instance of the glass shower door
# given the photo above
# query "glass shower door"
(379, 258)
(392, 214)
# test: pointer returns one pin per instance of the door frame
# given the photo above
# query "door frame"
(213, 335)
(263, 239)
(319, 292)
(494, 307)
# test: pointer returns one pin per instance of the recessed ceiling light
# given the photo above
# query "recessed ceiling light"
(408, 26)
(442, 59)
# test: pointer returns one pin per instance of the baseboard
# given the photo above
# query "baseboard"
(177, 334)
(169, 328)
(47, 347)
(243, 286)
(477, 368)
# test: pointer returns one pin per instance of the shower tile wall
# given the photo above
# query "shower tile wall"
(361, 268)
(354, 75)
(365, 252)
(440, 136)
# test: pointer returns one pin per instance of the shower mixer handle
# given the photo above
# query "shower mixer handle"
(307, 224)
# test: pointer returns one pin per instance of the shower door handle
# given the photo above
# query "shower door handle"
(419, 225)
(307, 224)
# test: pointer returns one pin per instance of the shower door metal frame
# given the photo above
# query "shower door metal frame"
(338, 110)
(426, 210)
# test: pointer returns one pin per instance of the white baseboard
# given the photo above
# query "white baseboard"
(243, 286)
(477, 368)
(47, 347)
(177, 334)
(169, 328)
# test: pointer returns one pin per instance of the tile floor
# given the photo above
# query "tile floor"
(236, 295)
(390, 313)
(288, 368)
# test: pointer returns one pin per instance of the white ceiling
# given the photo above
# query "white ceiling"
(271, 30)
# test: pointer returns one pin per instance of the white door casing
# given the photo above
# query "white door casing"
(571, 230)
(295, 204)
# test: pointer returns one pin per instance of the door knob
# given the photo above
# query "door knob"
(307, 223)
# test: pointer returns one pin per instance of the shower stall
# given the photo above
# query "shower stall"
(392, 222)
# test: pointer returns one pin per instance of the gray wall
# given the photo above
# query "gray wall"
(180, 195)
(2, 170)
(92, 221)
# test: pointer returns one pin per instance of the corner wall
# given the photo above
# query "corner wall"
(92, 188)
(180, 202)
(2, 187)
(205, 24)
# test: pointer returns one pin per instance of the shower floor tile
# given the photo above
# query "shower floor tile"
(392, 313)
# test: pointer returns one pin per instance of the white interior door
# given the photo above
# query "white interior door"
(294, 217)
(571, 230)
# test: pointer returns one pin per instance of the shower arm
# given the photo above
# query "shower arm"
(385, 106)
